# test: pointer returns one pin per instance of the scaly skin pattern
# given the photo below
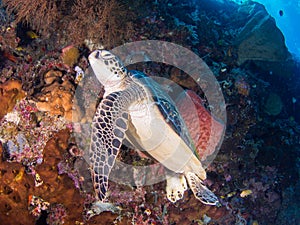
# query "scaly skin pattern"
(108, 132)
(107, 137)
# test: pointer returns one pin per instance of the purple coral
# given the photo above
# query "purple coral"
(36, 205)
(24, 134)
(67, 166)
(57, 214)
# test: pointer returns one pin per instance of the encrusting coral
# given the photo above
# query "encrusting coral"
(10, 92)
(57, 96)
(243, 88)
(57, 99)
(51, 76)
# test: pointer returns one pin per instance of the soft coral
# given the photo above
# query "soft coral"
(74, 21)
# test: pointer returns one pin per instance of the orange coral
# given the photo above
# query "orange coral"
(9, 56)
(57, 99)
(51, 76)
(10, 92)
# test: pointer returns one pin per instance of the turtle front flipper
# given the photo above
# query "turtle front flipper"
(108, 131)
(201, 192)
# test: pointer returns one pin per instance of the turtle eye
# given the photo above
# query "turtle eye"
(97, 56)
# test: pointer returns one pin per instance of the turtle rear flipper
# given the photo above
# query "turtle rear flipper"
(201, 192)
(176, 186)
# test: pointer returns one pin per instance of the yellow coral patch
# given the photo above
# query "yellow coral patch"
(245, 193)
(19, 176)
(70, 55)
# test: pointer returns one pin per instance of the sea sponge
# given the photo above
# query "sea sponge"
(51, 76)
(273, 104)
(10, 92)
(206, 131)
(242, 87)
(57, 99)
(70, 55)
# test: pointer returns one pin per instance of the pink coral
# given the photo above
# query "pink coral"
(36, 205)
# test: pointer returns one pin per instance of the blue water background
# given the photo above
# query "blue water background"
(288, 23)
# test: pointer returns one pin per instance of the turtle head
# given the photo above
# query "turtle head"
(107, 67)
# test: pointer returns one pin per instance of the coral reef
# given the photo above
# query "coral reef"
(260, 39)
(10, 92)
(38, 9)
(44, 177)
(24, 134)
(36, 205)
(57, 214)
(56, 98)
(55, 197)
(75, 21)
(242, 86)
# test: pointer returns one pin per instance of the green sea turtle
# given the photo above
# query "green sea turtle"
(136, 109)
